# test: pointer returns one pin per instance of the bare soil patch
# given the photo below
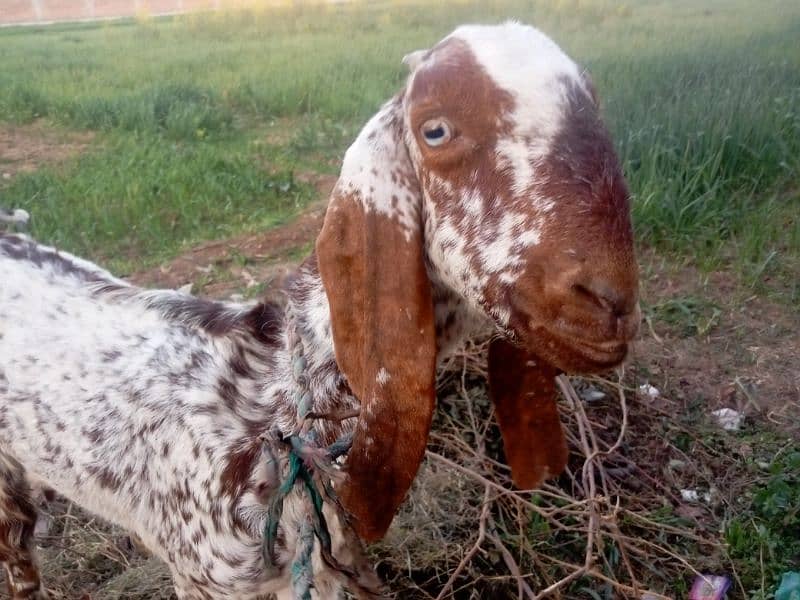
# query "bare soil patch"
(709, 339)
(25, 148)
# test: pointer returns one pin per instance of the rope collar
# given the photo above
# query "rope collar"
(310, 469)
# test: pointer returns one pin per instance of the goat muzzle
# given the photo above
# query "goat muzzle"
(580, 317)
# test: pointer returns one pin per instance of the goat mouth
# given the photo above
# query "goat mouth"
(578, 357)
(571, 354)
(606, 355)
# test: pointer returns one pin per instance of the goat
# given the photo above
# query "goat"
(484, 197)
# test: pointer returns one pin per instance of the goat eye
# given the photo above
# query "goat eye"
(436, 132)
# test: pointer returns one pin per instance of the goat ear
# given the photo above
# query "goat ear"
(589, 83)
(412, 59)
(524, 394)
(370, 256)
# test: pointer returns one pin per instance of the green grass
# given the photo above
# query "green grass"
(143, 195)
(703, 102)
(689, 315)
(763, 538)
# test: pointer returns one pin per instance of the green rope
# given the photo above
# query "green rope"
(274, 515)
(302, 568)
(302, 452)
(317, 517)
(305, 457)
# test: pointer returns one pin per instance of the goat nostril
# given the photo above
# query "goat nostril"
(586, 294)
(603, 297)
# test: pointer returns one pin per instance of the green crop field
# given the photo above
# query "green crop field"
(209, 126)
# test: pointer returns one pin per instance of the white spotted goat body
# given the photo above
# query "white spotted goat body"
(485, 196)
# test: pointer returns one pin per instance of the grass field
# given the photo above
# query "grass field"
(216, 125)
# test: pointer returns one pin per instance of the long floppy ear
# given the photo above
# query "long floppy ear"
(524, 394)
(370, 256)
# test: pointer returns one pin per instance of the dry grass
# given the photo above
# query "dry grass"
(88, 559)
(466, 534)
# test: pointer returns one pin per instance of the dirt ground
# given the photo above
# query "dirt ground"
(730, 349)
(23, 148)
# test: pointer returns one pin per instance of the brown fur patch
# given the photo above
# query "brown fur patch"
(382, 321)
(522, 389)
(383, 329)
(17, 522)
(458, 88)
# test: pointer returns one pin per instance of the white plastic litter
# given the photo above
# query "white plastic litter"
(649, 391)
(592, 394)
(695, 496)
(728, 419)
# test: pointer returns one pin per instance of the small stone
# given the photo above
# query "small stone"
(690, 495)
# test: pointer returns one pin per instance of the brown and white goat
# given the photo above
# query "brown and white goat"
(485, 196)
